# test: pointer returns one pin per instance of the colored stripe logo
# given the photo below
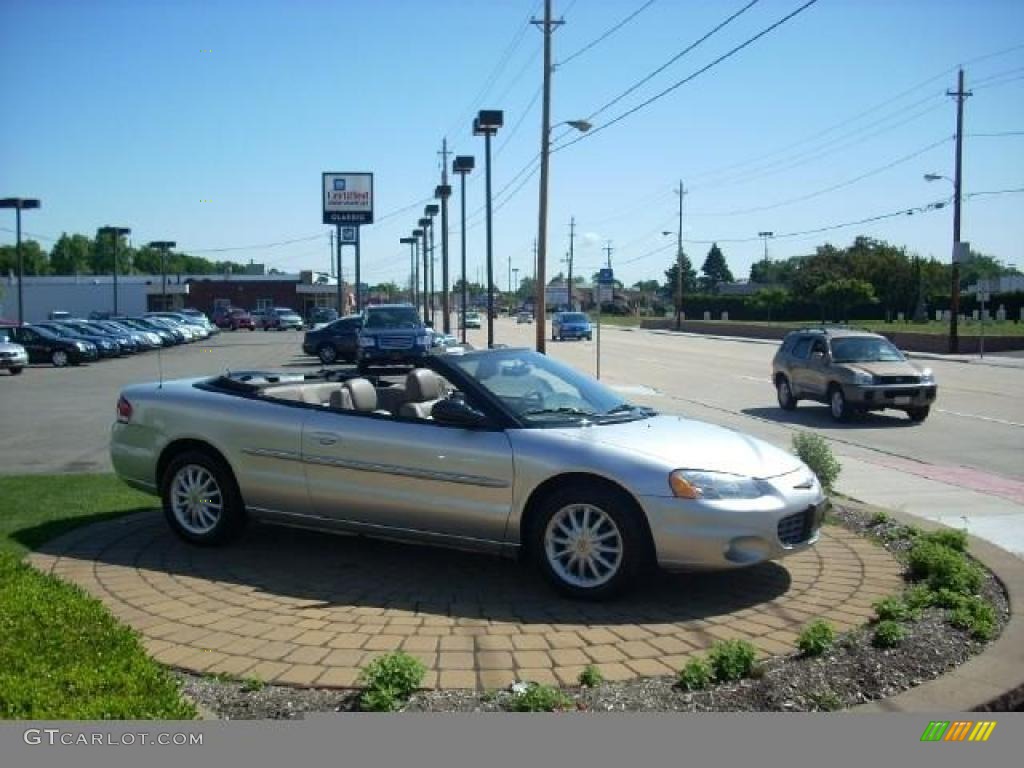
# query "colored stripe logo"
(958, 730)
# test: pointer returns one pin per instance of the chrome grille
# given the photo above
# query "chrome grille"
(395, 342)
(796, 528)
(6, 355)
(897, 379)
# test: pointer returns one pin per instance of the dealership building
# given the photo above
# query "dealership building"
(82, 295)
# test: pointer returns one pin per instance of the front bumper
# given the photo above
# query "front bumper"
(574, 333)
(705, 535)
(392, 356)
(878, 396)
(18, 361)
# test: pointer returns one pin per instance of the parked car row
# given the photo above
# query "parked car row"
(273, 318)
(67, 341)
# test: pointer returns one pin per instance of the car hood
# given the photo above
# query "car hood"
(688, 444)
(884, 369)
(6, 346)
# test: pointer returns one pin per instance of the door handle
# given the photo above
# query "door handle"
(325, 438)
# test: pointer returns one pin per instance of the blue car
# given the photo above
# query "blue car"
(570, 325)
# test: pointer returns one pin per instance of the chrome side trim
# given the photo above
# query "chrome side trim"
(392, 469)
(283, 455)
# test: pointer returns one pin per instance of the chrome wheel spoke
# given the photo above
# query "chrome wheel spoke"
(196, 499)
(583, 545)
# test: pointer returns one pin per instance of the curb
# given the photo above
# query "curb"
(992, 681)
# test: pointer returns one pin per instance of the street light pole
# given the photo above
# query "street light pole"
(19, 204)
(572, 241)
(444, 192)
(431, 211)
(462, 165)
(115, 233)
(416, 235)
(424, 225)
(411, 241)
(486, 124)
(679, 259)
(960, 94)
(163, 246)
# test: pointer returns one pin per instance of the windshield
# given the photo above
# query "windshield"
(544, 392)
(392, 317)
(574, 317)
(865, 350)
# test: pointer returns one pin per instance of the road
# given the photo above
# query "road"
(963, 466)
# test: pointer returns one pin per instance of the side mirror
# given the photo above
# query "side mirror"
(457, 413)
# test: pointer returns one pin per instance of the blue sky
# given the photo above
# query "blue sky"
(209, 123)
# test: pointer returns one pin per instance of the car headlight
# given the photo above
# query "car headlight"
(82, 346)
(859, 377)
(927, 376)
(423, 341)
(367, 341)
(690, 484)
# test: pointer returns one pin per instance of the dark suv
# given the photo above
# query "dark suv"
(392, 334)
(335, 341)
(852, 371)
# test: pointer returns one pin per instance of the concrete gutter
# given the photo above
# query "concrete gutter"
(992, 681)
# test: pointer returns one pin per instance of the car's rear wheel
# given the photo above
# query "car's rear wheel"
(588, 543)
(784, 392)
(837, 404)
(59, 358)
(917, 415)
(201, 500)
(327, 353)
(16, 370)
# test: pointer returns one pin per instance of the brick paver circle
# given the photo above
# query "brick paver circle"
(303, 608)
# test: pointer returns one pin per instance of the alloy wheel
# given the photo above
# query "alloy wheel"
(583, 545)
(196, 499)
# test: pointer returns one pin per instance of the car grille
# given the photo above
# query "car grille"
(6, 355)
(395, 342)
(890, 393)
(897, 379)
(797, 528)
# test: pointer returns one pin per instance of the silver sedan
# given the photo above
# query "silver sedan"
(503, 450)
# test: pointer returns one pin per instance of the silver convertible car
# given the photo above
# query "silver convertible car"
(501, 450)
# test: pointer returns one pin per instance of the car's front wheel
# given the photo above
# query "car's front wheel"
(837, 404)
(59, 358)
(589, 544)
(327, 354)
(201, 501)
(917, 415)
(784, 392)
(16, 370)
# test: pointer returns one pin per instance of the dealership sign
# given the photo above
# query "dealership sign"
(348, 198)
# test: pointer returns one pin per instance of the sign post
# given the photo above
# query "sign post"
(605, 291)
(348, 204)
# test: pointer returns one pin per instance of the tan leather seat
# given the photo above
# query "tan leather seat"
(362, 396)
(340, 400)
(423, 388)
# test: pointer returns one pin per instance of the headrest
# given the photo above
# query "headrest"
(423, 384)
(364, 396)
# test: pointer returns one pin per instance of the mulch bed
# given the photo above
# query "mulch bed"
(852, 673)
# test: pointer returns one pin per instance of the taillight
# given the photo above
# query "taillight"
(124, 410)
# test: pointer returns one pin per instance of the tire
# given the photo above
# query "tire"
(784, 393)
(617, 521)
(837, 405)
(917, 415)
(328, 354)
(16, 370)
(192, 473)
(59, 358)
(589, 337)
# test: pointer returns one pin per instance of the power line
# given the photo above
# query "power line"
(604, 36)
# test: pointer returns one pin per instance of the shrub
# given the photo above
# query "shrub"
(816, 638)
(888, 634)
(976, 615)
(947, 598)
(695, 676)
(894, 609)
(591, 676)
(880, 518)
(731, 659)
(815, 453)
(948, 537)
(827, 701)
(942, 567)
(540, 698)
(389, 681)
(918, 597)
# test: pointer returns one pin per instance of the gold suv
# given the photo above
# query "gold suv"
(851, 371)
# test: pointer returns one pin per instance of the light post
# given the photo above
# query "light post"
(764, 235)
(954, 299)
(462, 165)
(19, 204)
(416, 235)
(411, 242)
(443, 192)
(515, 286)
(486, 124)
(115, 233)
(424, 224)
(163, 246)
(542, 226)
(431, 211)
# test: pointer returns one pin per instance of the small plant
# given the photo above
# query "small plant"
(732, 659)
(816, 638)
(888, 634)
(947, 598)
(591, 676)
(917, 598)
(948, 537)
(540, 698)
(815, 453)
(695, 676)
(826, 701)
(389, 681)
(943, 567)
(880, 518)
(892, 609)
(251, 684)
(976, 615)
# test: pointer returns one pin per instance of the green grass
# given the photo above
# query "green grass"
(62, 655)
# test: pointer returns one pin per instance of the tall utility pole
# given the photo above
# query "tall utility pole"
(960, 95)
(444, 192)
(330, 255)
(548, 26)
(424, 224)
(163, 246)
(681, 191)
(572, 240)
(341, 278)
(608, 252)
(19, 204)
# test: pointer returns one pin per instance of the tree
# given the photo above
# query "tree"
(770, 298)
(773, 272)
(715, 270)
(671, 289)
(70, 255)
(835, 297)
(33, 259)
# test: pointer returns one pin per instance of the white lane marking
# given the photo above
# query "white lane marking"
(758, 379)
(980, 418)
